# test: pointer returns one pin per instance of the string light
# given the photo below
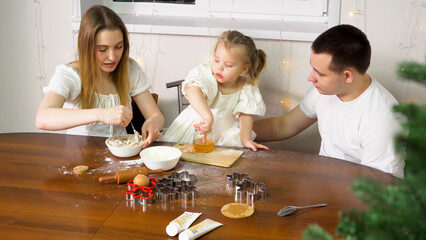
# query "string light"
(210, 17)
(140, 60)
(209, 58)
(133, 9)
(411, 32)
(357, 12)
(360, 11)
(74, 14)
(40, 44)
(232, 15)
(70, 54)
(287, 101)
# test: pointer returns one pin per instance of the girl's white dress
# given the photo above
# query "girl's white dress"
(226, 110)
(66, 82)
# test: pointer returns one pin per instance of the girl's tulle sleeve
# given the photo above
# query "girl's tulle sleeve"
(250, 102)
(202, 77)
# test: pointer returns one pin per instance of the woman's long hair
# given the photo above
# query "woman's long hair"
(95, 19)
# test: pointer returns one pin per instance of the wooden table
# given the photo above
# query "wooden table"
(40, 197)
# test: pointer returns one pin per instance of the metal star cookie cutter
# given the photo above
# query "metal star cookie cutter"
(141, 194)
(183, 176)
(178, 185)
(244, 187)
(233, 179)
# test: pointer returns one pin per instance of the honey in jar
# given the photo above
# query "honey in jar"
(199, 146)
(203, 143)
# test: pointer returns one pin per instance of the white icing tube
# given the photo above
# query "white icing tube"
(198, 230)
(181, 223)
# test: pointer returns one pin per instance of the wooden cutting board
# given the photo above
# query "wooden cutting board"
(223, 157)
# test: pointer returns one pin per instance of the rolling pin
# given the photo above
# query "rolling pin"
(126, 175)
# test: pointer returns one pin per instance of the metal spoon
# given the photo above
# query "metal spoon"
(135, 133)
(289, 210)
(134, 130)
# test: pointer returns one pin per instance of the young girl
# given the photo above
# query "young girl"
(92, 96)
(223, 96)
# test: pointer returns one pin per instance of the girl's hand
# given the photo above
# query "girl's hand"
(150, 131)
(199, 103)
(254, 146)
(204, 127)
(117, 115)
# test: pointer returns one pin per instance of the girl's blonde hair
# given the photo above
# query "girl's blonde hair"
(95, 19)
(256, 58)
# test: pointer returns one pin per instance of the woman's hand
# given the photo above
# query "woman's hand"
(151, 130)
(154, 119)
(254, 146)
(117, 115)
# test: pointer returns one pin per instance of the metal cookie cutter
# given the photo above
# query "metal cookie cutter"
(244, 187)
(178, 185)
(141, 194)
(184, 176)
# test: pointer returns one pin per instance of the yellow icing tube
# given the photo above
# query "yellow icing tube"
(181, 223)
(198, 230)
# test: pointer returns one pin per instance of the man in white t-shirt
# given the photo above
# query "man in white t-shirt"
(354, 112)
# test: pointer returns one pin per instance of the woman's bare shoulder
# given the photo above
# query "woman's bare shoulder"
(75, 64)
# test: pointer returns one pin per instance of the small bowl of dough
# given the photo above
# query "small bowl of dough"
(124, 146)
(160, 157)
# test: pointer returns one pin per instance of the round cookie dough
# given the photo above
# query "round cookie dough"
(80, 169)
(237, 210)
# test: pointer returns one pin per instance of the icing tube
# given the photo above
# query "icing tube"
(181, 223)
(198, 230)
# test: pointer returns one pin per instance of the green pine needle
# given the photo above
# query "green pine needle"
(315, 232)
(413, 71)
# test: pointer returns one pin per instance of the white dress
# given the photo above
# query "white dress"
(66, 82)
(225, 108)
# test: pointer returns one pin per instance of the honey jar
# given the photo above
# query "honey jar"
(203, 143)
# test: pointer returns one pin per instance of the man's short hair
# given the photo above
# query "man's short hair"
(348, 46)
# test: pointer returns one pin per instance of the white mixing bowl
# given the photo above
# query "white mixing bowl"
(124, 151)
(160, 157)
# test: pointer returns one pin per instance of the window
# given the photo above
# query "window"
(300, 20)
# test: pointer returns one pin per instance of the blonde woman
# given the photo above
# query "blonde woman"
(92, 95)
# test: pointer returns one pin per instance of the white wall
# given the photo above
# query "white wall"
(36, 36)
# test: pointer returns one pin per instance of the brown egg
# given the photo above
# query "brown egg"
(141, 180)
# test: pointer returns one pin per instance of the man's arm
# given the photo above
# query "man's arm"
(282, 127)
